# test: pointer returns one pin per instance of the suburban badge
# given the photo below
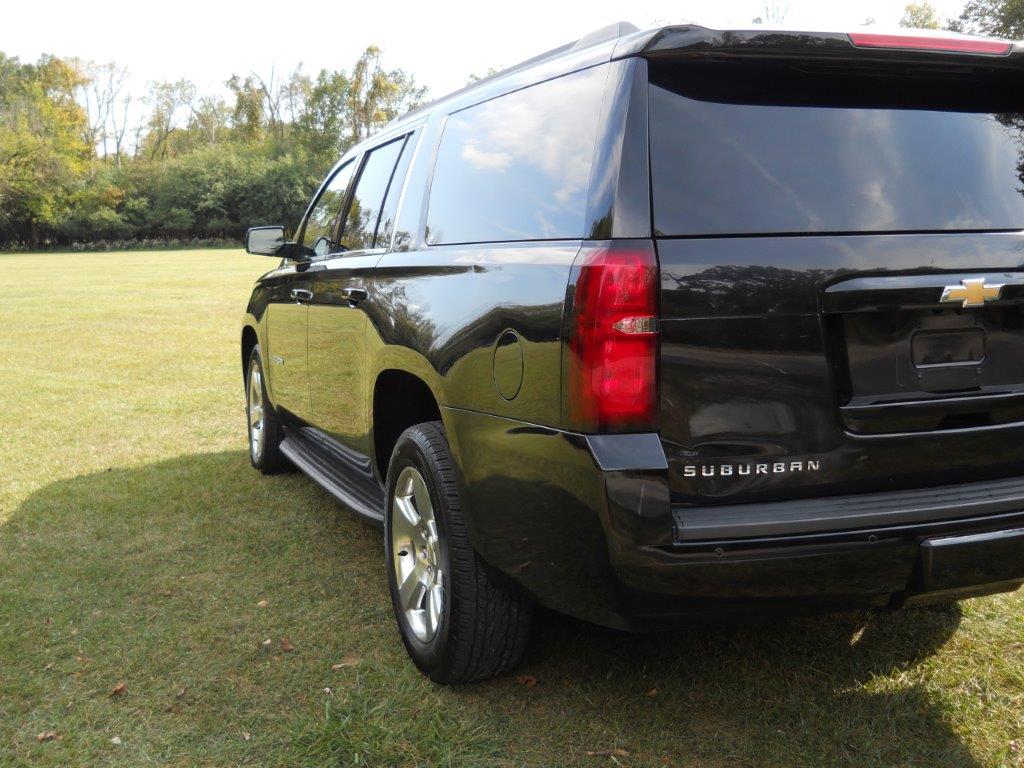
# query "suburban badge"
(743, 468)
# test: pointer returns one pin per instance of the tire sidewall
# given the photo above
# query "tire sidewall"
(412, 451)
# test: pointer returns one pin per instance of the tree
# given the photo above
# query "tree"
(44, 149)
(247, 115)
(322, 126)
(203, 166)
(998, 18)
(106, 104)
(210, 120)
(921, 16)
(376, 97)
(169, 103)
(775, 12)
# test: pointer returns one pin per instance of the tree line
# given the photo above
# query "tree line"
(995, 18)
(83, 160)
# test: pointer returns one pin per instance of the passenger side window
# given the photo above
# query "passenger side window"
(317, 238)
(368, 198)
(386, 226)
(518, 167)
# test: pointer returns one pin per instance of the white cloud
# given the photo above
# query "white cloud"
(484, 160)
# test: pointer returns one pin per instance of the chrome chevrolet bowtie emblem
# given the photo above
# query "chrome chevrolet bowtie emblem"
(973, 293)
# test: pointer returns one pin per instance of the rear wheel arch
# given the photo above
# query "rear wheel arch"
(400, 400)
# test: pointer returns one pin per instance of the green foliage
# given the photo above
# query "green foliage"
(44, 155)
(921, 16)
(998, 18)
(376, 96)
(202, 166)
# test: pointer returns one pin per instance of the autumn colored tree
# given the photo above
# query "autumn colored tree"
(194, 165)
(45, 153)
(998, 18)
(921, 16)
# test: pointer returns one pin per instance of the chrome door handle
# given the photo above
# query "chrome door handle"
(354, 295)
(302, 295)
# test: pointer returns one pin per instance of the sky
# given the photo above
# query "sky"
(441, 42)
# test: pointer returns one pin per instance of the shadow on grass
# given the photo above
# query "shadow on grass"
(97, 551)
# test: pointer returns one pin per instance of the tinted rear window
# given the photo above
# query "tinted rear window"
(778, 149)
(518, 167)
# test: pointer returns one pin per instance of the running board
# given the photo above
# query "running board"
(340, 471)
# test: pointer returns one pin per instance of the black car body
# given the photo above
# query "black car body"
(716, 323)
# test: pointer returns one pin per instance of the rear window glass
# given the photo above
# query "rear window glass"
(518, 167)
(783, 150)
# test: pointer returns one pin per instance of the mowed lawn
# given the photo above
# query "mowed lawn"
(138, 547)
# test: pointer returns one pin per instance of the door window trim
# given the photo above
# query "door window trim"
(343, 216)
(409, 139)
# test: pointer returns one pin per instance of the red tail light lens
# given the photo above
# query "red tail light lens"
(931, 43)
(612, 382)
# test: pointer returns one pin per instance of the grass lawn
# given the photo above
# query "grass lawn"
(137, 546)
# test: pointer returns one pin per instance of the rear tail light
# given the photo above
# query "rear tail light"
(932, 43)
(612, 379)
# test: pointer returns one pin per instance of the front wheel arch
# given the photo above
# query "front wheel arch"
(249, 341)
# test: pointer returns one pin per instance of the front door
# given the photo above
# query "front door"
(286, 363)
(340, 393)
(292, 292)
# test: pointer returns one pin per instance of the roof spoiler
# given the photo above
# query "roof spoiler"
(692, 41)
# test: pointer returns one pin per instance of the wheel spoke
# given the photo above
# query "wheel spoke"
(423, 505)
(410, 591)
(435, 604)
(404, 520)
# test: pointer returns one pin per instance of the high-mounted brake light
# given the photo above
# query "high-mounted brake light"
(612, 382)
(931, 43)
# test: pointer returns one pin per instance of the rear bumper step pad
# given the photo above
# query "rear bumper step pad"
(848, 513)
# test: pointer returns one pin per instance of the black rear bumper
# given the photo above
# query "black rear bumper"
(587, 525)
(931, 508)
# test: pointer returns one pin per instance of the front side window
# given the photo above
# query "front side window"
(518, 167)
(317, 238)
(368, 198)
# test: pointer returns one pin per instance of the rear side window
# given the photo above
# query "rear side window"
(386, 226)
(787, 149)
(368, 197)
(518, 167)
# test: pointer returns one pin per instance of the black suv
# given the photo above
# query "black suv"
(666, 326)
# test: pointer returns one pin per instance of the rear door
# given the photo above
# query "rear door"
(337, 321)
(291, 293)
(819, 228)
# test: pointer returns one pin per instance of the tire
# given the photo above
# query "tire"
(456, 622)
(262, 423)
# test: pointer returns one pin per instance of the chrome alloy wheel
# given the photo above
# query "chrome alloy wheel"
(255, 407)
(416, 555)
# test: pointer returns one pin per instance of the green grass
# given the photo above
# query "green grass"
(136, 543)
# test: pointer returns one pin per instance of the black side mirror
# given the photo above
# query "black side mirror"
(268, 241)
